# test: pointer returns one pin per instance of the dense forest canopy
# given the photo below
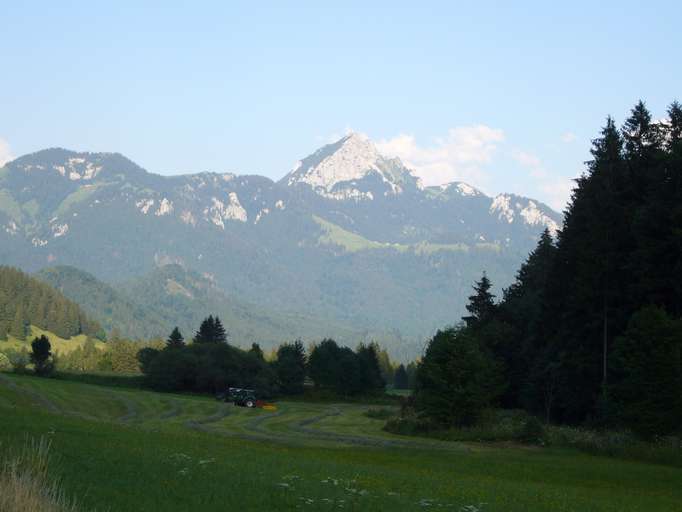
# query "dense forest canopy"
(25, 301)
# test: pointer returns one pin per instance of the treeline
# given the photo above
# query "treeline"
(590, 331)
(25, 301)
(210, 364)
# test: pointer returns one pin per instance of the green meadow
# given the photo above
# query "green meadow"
(118, 449)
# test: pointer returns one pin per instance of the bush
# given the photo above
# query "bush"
(145, 357)
(19, 359)
(533, 430)
(5, 363)
(619, 443)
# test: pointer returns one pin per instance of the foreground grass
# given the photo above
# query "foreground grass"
(25, 484)
(119, 449)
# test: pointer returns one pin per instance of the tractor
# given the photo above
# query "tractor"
(239, 396)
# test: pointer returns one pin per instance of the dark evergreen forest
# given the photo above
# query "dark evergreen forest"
(590, 331)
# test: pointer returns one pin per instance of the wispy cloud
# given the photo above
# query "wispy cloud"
(556, 190)
(531, 162)
(5, 152)
(459, 156)
(568, 137)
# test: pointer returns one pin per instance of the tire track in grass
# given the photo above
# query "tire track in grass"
(131, 413)
(35, 395)
(304, 426)
(200, 424)
(173, 410)
(260, 434)
(256, 424)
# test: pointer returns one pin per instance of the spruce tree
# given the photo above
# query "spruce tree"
(372, 379)
(674, 203)
(290, 367)
(641, 135)
(323, 363)
(521, 310)
(257, 351)
(219, 333)
(400, 380)
(481, 304)
(175, 340)
(456, 380)
(206, 332)
(586, 287)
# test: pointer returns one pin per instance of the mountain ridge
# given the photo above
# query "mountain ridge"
(369, 248)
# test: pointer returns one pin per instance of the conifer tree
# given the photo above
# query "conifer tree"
(323, 363)
(521, 310)
(175, 340)
(219, 333)
(206, 332)
(257, 351)
(456, 380)
(641, 135)
(400, 380)
(481, 304)
(372, 379)
(290, 367)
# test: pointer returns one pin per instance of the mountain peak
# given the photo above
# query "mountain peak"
(335, 170)
(508, 207)
(72, 165)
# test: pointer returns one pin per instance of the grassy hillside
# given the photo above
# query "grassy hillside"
(59, 345)
(352, 242)
(127, 450)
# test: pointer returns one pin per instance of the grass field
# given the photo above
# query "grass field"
(124, 449)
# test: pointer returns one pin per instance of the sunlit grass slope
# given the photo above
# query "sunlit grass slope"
(59, 345)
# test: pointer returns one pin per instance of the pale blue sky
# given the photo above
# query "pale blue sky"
(506, 97)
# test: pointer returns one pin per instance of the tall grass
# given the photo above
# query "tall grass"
(25, 484)
(517, 426)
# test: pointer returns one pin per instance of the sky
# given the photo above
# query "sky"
(505, 96)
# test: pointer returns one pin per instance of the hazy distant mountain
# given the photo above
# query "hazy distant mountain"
(348, 237)
(149, 306)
